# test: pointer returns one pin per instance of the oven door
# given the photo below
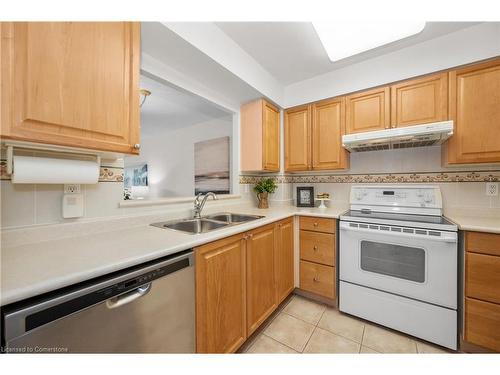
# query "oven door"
(411, 262)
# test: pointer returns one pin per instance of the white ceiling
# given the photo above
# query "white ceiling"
(292, 51)
(171, 107)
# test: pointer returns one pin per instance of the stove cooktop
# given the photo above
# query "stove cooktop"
(421, 221)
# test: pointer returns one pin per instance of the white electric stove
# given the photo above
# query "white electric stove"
(398, 261)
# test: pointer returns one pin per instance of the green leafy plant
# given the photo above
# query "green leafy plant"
(266, 185)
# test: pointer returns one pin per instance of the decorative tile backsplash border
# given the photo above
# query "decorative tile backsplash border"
(384, 178)
(111, 174)
(106, 174)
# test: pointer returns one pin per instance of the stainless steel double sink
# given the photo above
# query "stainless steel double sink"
(207, 223)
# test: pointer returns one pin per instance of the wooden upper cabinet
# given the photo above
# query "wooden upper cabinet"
(475, 110)
(71, 83)
(419, 101)
(221, 295)
(260, 137)
(261, 292)
(284, 264)
(298, 138)
(328, 127)
(368, 110)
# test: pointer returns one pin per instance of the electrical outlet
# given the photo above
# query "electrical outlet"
(492, 189)
(72, 189)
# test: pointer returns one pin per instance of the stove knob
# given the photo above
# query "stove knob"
(428, 198)
(359, 195)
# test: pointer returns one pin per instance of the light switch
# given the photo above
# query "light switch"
(72, 205)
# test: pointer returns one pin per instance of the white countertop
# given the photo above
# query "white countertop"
(31, 269)
(474, 222)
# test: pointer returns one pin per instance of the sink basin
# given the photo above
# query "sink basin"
(193, 226)
(229, 217)
(207, 223)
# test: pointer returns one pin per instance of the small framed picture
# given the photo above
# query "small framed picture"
(305, 196)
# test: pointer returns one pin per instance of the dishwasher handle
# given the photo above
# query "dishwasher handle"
(128, 297)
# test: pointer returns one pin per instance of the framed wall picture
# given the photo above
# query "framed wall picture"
(305, 196)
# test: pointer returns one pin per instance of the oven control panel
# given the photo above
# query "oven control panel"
(425, 199)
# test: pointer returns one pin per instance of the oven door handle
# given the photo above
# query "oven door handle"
(450, 237)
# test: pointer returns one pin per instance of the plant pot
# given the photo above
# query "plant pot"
(263, 202)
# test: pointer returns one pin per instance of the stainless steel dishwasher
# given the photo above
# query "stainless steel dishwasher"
(146, 309)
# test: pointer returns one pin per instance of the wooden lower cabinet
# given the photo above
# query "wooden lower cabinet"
(221, 295)
(482, 293)
(261, 292)
(482, 323)
(317, 278)
(284, 263)
(317, 256)
(240, 280)
(317, 247)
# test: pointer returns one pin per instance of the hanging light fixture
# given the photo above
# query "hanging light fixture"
(144, 94)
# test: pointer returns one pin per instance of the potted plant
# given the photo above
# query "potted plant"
(263, 188)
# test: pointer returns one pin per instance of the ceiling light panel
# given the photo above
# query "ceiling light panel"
(344, 39)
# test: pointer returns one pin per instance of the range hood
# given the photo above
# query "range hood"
(410, 136)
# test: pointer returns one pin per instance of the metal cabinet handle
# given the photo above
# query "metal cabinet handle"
(315, 224)
(315, 247)
(137, 146)
(316, 279)
(128, 297)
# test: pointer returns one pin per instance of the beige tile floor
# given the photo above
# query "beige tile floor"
(305, 326)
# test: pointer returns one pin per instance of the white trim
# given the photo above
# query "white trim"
(167, 201)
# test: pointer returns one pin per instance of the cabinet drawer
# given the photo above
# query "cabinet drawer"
(317, 278)
(317, 224)
(485, 243)
(482, 278)
(482, 324)
(317, 247)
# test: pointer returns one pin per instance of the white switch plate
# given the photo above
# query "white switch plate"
(492, 189)
(72, 189)
(72, 205)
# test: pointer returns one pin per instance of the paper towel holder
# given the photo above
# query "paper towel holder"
(10, 154)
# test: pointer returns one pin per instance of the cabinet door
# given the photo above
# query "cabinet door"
(261, 292)
(368, 111)
(284, 259)
(328, 127)
(482, 323)
(221, 296)
(475, 109)
(482, 277)
(298, 139)
(419, 101)
(271, 137)
(72, 84)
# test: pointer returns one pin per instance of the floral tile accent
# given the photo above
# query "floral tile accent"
(106, 174)
(111, 174)
(384, 178)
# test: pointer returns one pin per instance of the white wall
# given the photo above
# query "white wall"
(464, 46)
(170, 155)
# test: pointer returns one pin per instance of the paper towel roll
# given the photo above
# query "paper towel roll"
(34, 170)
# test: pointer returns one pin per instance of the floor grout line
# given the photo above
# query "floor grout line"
(362, 338)
(309, 339)
(302, 320)
(279, 342)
